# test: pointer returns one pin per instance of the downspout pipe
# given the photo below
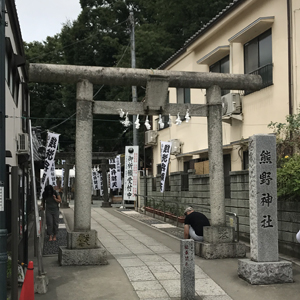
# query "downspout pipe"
(290, 56)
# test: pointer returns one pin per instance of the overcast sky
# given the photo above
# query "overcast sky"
(41, 18)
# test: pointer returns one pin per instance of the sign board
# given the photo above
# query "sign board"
(165, 157)
(115, 173)
(131, 172)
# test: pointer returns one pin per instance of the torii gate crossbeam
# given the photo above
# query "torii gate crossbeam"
(139, 77)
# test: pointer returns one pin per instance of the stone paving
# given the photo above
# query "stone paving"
(51, 248)
(152, 268)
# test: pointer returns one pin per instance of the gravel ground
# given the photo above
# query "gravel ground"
(175, 231)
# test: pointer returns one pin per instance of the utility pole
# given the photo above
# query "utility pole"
(3, 230)
(133, 65)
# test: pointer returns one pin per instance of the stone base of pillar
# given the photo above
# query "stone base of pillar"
(41, 284)
(106, 204)
(265, 272)
(220, 250)
(82, 239)
(219, 243)
(64, 205)
(80, 257)
(218, 234)
(83, 248)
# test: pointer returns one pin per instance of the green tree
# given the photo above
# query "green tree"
(51, 104)
(288, 157)
(101, 37)
(288, 178)
(287, 136)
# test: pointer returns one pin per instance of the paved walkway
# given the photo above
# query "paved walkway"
(152, 268)
(144, 263)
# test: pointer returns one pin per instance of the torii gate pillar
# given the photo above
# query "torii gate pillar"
(82, 246)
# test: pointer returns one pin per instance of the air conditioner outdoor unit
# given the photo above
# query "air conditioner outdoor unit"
(23, 142)
(175, 147)
(150, 137)
(231, 104)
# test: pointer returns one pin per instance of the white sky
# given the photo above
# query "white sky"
(41, 18)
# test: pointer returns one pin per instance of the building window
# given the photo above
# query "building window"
(25, 107)
(221, 66)
(9, 55)
(258, 57)
(16, 87)
(183, 95)
(11, 71)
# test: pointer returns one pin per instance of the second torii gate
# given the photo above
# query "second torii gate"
(100, 157)
(157, 83)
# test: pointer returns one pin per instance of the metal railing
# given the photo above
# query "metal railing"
(266, 73)
(179, 208)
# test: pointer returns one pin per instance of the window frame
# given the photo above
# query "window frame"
(12, 75)
(219, 65)
(183, 95)
(25, 107)
(264, 70)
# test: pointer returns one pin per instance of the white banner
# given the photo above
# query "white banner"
(52, 178)
(62, 173)
(69, 179)
(115, 173)
(95, 180)
(100, 183)
(165, 157)
(52, 143)
(131, 172)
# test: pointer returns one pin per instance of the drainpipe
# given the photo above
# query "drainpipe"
(290, 57)
(3, 230)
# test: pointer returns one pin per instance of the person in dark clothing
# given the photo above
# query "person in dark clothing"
(193, 224)
(51, 199)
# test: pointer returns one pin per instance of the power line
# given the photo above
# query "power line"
(60, 123)
(116, 66)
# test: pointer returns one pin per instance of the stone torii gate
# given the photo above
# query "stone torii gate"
(101, 158)
(82, 242)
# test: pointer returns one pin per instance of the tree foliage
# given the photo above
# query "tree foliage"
(101, 37)
(288, 178)
(287, 136)
(288, 156)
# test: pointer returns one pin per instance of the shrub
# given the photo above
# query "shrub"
(288, 178)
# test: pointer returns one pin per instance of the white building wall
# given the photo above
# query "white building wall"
(13, 108)
(259, 108)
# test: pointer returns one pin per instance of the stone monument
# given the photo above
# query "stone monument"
(187, 269)
(264, 266)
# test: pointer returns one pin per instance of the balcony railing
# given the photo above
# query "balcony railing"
(266, 73)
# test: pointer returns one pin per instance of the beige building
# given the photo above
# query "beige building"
(252, 36)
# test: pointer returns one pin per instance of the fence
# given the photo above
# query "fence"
(175, 211)
(197, 195)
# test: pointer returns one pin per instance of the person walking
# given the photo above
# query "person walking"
(51, 199)
(193, 224)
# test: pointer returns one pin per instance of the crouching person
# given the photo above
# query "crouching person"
(193, 224)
